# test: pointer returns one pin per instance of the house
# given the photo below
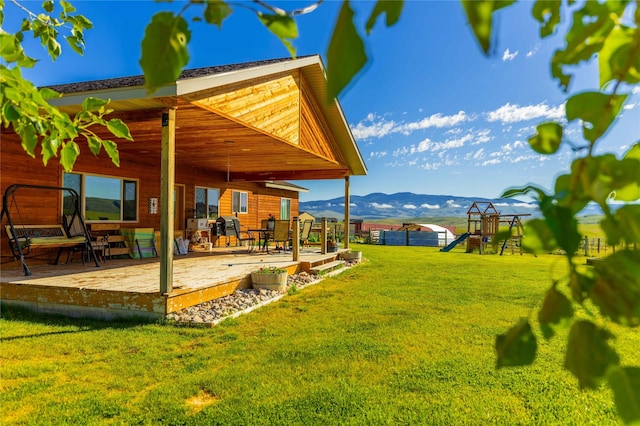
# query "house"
(220, 141)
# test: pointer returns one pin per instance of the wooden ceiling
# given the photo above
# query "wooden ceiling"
(211, 142)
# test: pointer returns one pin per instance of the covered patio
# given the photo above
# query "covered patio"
(234, 133)
(129, 287)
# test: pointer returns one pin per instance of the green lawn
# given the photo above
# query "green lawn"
(405, 338)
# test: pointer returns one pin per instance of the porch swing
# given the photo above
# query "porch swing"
(23, 238)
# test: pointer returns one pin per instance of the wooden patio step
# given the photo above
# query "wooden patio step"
(326, 267)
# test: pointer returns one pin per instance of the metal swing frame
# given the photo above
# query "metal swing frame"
(16, 248)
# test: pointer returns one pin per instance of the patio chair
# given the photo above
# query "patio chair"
(146, 245)
(73, 227)
(242, 236)
(282, 234)
(305, 231)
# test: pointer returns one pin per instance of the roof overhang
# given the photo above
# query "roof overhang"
(201, 134)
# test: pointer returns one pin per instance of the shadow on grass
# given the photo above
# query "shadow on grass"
(20, 314)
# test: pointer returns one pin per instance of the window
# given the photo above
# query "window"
(103, 197)
(239, 202)
(207, 203)
(73, 181)
(285, 208)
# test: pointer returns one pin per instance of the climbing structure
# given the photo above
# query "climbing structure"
(484, 223)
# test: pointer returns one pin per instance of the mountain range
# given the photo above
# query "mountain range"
(409, 205)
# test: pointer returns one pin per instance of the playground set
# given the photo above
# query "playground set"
(483, 223)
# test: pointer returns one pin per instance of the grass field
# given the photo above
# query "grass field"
(405, 338)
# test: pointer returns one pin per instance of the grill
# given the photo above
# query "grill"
(226, 226)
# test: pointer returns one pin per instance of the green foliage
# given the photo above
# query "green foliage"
(480, 16)
(612, 284)
(165, 42)
(517, 347)
(25, 108)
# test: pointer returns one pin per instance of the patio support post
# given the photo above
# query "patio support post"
(347, 210)
(167, 206)
(323, 236)
(296, 239)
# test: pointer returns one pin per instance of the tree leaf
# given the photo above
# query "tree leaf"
(597, 110)
(392, 9)
(590, 26)
(517, 347)
(625, 383)
(283, 26)
(616, 290)
(216, 11)
(119, 129)
(164, 50)
(47, 93)
(514, 192)
(112, 150)
(346, 54)
(623, 225)
(68, 155)
(94, 143)
(630, 189)
(93, 104)
(547, 139)
(480, 17)
(588, 354)
(547, 12)
(613, 58)
(556, 311)
(28, 139)
(538, 237)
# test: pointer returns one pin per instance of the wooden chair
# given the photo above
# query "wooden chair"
(305, 231)
(281, 234)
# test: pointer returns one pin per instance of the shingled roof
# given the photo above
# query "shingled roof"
(138, 80)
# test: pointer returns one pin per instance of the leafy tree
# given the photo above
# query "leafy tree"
(26, 107)
(607, 30)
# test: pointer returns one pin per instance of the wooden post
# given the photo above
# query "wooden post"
(167, 206)
(323, 236)
(296, 239)
(586, 245)
(347, 211)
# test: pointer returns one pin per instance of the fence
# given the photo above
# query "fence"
(414, 238)
(598, 246)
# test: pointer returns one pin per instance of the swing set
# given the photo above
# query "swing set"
(25, 238)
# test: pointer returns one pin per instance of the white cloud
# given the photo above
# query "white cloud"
(409, 206)
(435, 120)
(508, 56)
(374, 126)
(427, 145)
(629, 106)
(534, 50)
(430, 166)
(491, 162)
(430, 206)
(452, 203)
(381, 206)
(635, 90)
(514, 113)
(377, 154)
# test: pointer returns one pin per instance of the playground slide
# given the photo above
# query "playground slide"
(455, 242)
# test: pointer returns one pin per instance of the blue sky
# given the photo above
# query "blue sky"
(431, 113)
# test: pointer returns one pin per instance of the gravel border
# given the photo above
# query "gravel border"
(243, 301)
